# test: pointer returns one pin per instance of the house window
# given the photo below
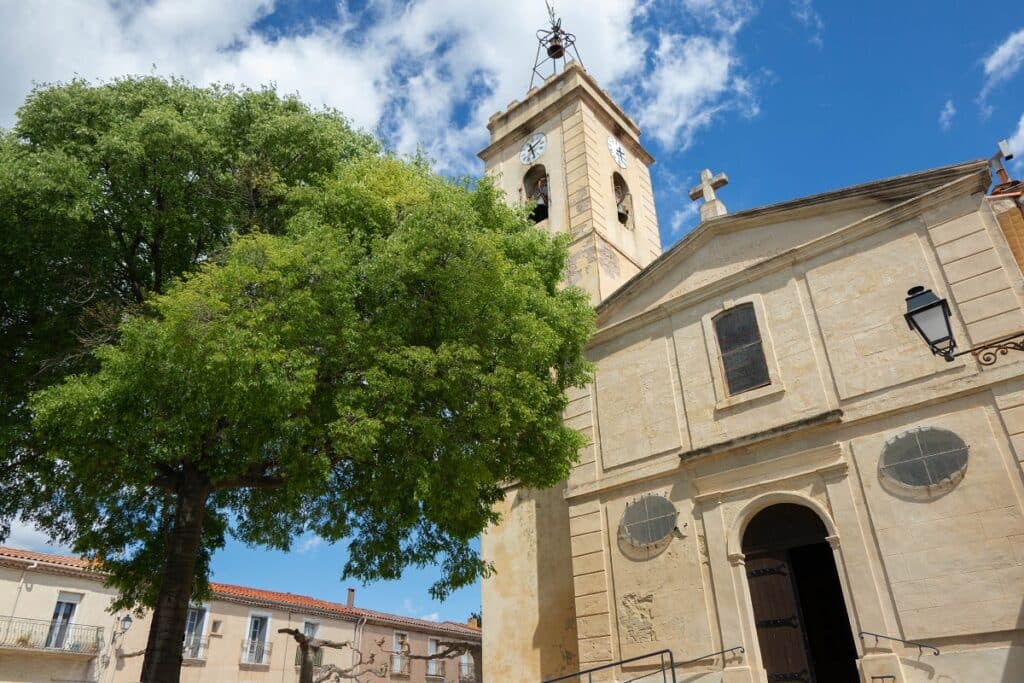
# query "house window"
(195, 625)
(623, 200)
(739, 342)
(399, 660)
(256, 649)
(537, 190)
(60, 624)
(435, 667)
(466, 672)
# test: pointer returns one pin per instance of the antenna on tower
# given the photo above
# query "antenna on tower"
(553, 44)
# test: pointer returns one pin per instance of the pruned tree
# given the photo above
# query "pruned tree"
(376, 373)
(450, 650)
(362, 669)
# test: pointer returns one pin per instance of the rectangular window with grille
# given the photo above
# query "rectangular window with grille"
(739, 342)
(399, 661)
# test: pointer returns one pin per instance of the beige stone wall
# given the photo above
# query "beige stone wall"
(226, 628)
(1010, 215)
(530, 627)
(945, 568)
(534, 604)
(577, 117)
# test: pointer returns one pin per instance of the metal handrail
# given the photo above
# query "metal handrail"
(920, 646)
(194, 648)
(589, 672)
(404, 665)
(738, 648)
(256, 652)
(39, 634)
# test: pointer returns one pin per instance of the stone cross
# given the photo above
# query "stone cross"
(712, 206)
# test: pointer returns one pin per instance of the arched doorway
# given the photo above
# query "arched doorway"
(802, 624)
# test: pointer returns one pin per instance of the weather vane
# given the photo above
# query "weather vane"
(555, 44)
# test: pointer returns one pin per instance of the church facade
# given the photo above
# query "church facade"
(783, 482)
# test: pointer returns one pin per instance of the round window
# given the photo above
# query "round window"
(925, 458)
(648, 521)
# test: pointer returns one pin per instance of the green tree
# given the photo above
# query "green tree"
(376, 374)
(109, 192)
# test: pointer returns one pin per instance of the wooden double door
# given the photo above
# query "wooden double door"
(803, 628)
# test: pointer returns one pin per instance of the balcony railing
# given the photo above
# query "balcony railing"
(256, 652)
(194, 649)
(435, 668)
(50, 636)
(399, 665)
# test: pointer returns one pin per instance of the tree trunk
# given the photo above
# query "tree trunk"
(162, 663)
(477, 654)
(306, 666)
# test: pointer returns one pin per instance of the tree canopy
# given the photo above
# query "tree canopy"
(375, 352)
(109, 192)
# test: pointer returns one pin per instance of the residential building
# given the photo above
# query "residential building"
(55, 625)
(782, 482)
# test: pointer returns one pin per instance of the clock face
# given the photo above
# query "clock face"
(532, 148)
(618, 152)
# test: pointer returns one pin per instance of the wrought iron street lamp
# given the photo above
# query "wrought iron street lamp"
(126, 623)
(929, 316)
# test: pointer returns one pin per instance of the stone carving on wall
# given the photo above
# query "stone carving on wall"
(635, 617)
(608, 259)
(573, 268)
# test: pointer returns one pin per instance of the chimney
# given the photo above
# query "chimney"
(472, 622)
(351, 601)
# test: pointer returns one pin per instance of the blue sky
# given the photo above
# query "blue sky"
(789, 97)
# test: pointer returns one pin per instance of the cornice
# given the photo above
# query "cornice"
(586, 90)
(52, 568)
(852, 232)
(903, 189)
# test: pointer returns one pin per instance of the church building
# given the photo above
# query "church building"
(784, 481)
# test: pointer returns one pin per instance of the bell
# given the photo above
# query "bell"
(556, 50)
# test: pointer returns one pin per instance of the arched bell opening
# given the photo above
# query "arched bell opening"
(800, 613)
(537, 189)
(623, 201)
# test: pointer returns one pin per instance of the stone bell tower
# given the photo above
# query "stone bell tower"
(571, 149)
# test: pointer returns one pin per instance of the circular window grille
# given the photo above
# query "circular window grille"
(924, 458)
(648, 521)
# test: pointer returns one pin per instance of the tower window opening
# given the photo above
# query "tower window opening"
(623, 200)
(537, 190)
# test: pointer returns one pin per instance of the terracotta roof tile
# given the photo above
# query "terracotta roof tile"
(47, 558)
(247, 594)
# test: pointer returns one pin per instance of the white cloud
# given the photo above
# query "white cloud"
(683, 220)
(1002, 64)
(308, 545)
(28, 537)
(804, 12)
(694, 80)
(946, 115)
(412, 609)
(1016, 142)
(427, 73)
